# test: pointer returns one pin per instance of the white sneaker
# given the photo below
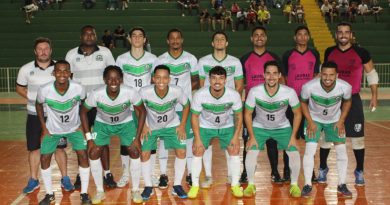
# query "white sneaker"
(155, 181)
(97, 199)
(123, 181)
(207, 182)
(136, 196)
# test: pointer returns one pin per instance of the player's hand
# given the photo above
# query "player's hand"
(373, 104)
(45, 132)
(311, 130)
(293, 141)
(341, 128)
(145, 132)
(235, 143)
(181, 132)
(90, 145)
(251, 142)
(137, 144)
(197, 146)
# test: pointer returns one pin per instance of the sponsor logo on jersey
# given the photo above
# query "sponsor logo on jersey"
(99, 57)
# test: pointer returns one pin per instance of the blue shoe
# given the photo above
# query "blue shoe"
(66, 184)
(179, 191)
(359, 178)
(322, 175)
(31, 186)
(306, 191)
(148, 191)
(343, 191)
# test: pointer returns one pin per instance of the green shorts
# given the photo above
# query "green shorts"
(331, 134)
(125, 131)
(171, 140)
(281, 136)
(49, 143)
(189, 132)
(225, 136)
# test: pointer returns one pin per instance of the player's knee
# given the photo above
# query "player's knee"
(145, 156)
(180, 153)
(198, 152)
(45, 161)
(133, 152)
(358, 143)
(95, 153)
(83, 158)
(233, 151)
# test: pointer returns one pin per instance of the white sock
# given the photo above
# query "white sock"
(106, 172)
(207, 157)
(180, 166)
(46, 178)
(135, 168)
(152, 163)
(250, 165)
(235, 169)
(196, 169)
(96, 170)
(146, 173)
(308, 161)
(228, 158)
(189, 154)
(295, 165)
(125, 164)
(342, 162)
(163, 158)
(84, 178)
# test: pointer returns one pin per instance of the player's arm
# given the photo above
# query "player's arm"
(311, 127)
(21, 90)
(238, 120)
(181, 129)
(248, 112)
(239, 85)
(296, 123)
(41, 117)
(197, 146)
(372, 79)
(195, 82)
(140, 112)
(85, 126)
(344, 112)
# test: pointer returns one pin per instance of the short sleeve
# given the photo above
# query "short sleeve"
(22, 77)
(347, 92)
(110, 58)
(90, 102)
(196, 106)
(318, 61)
(238, 74)
(305, 93)
(199, 67)
(293, 99)
(250, 100)
(364, 54)
(237, 106)
(135, 98)
(194, 67)
(83, 94)
(183, 98)
(40, 95)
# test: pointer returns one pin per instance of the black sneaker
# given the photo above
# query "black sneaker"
(343, 191)
(77, 183)
(286, 176)
(275, 178)
(244, 178)
(179, 191)
(109, 181)
(148, 191)
(85, 199)
(189, 180)
(163, 181)
(314, 179)
(49, 199)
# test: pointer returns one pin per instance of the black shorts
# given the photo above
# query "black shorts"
(354, 123)
(290, 117)
(91, 114)
(33, 134)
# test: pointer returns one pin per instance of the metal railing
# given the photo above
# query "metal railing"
(8, 77)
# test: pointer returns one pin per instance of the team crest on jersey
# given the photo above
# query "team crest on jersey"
(358, 127)
(74, 101)
(230, 70)
(124, 106)
(99, 57)
(282, 104)
(31, 72)
(78, 59)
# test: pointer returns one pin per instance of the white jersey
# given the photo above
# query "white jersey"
(88, 70)
(62, 109)
(231, 64)
(137, 72)
(271, 110)
(182, 68)
(161, 112)
(325, 106)
(32, 76)
(113, 111)
(216, 113)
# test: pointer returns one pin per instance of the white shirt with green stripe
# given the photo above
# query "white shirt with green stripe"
(271, 110)
(216, 113)
(113, 111)
(161, 112)
(182, 68)
(137, 72)
(62, 109)
(325, 106)
(231, 64)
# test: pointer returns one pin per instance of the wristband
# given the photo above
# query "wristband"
(88, 136)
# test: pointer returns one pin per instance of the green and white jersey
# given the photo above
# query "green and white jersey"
(137, 72)
(113, 111)
(216, 113)
(161, 112)
(271, 110)
(182, 68)
(88, 70)
(62, 110)
(325, 106)
(231, 64)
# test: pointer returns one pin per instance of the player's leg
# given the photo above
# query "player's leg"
(225, 138)
(61, 159)
(48, 147)
(244, 177)
(163, 160)
(273, 157)
(207, 159)
(189, 156)
(149, 143)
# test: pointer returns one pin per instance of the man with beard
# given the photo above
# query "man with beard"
(87, 63)
(351, 61)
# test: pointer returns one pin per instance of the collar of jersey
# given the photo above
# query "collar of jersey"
(266, 91)
(55, 88)
(79, 51)
(182, 51)
(154, 88)
(322, 86)
(113, 99)
(226, 55)
(224, 90)
(37, 66)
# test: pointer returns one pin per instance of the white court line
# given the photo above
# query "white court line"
(379, 125)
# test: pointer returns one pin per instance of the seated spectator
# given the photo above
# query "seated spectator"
(363, 10)
(218, 18)
(253, 6)
(184, 4)
(343, 12)
(326, 10)
(250, 17)
(335, 11)
(343, 2)
(89, 4)
(288, 10)
(125, 4)
(216, 4)
(120, 34)
(194, 4)
(299, 14)
(112, 5)
(263, 15)
(227, 16)
(205, 18)
(376, 10)
(353, 10)
(235, 8)
(241, 19)
(29, 7)
(107, 39)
